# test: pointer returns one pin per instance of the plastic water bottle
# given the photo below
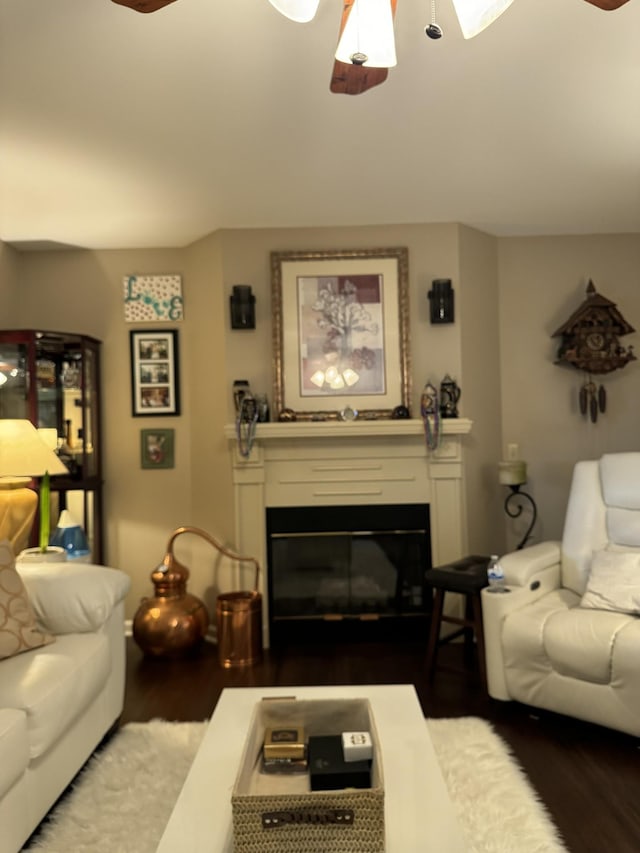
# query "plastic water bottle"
(495, 575)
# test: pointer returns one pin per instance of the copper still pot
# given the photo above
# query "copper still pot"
(173, 622)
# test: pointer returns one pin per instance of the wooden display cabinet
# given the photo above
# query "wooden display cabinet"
(53, 380)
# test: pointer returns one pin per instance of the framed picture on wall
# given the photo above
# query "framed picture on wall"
(340, 335)
(157, 448)
(155, 388)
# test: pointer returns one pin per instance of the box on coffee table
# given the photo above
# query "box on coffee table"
(279, 813)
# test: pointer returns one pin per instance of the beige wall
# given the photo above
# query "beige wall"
(8, 279)
(511, 294)
(542, 281)
(478, 318)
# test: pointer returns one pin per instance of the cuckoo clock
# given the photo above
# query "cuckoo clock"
(591, 343)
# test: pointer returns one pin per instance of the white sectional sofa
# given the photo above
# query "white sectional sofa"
(58, 701)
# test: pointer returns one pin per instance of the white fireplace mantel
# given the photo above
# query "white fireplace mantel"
(300, 430)
(321, 463)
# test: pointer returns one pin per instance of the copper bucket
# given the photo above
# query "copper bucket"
(239, 621)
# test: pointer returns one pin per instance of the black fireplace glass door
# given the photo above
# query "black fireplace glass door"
(366, 562)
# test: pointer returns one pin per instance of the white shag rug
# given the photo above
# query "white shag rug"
(122, 800)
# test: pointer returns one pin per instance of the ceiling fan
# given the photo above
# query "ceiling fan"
(154, 5)
(144, 5)
(356, 75)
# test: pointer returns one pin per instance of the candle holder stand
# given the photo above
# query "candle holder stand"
(514, 505)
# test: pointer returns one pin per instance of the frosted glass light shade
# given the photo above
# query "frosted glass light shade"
(368, 34)
(476, 15)
(301, 11)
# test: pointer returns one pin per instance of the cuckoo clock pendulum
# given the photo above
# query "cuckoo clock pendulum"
(590, 342)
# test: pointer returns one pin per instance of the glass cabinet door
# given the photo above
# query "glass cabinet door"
(53, 380)
(14, 376)
(90, 411)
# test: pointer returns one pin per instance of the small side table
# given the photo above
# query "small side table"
(468, 577)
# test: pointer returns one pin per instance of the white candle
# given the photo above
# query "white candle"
(513, 472)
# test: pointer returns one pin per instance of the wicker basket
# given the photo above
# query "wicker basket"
(275, 813)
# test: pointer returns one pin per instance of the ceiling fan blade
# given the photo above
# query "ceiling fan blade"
(350, 79)
(608, 5)
(144, 5)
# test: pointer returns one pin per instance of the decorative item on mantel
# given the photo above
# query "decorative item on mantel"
(287, 416)
(513, 473)
(430, 412)
(590, 343)
(247, 415)
(400, 413)
(449, 397)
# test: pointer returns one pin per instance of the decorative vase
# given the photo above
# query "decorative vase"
(53, 554)
(70, 536)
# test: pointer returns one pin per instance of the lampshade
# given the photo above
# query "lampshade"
(301, 11)
(368, 37)
(476, 15)
(23, 452)
(23, 455)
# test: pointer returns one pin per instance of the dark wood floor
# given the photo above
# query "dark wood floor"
(587, 776)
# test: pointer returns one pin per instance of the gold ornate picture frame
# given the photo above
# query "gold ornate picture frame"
(340, 332)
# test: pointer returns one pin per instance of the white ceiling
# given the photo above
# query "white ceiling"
(125, 130)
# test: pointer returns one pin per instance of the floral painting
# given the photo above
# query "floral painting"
(341, 331)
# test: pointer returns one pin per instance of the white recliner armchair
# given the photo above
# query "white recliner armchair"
(566, 637)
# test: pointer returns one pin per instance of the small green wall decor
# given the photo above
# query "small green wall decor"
(157, 448)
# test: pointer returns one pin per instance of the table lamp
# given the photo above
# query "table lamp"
(23, 455)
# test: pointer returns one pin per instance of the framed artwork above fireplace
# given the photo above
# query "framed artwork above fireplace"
(340, 332)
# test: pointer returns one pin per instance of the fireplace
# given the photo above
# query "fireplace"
(307, 477)
(344, 570)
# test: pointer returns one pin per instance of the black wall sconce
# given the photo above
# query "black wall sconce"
(441, 299)
(243, 307)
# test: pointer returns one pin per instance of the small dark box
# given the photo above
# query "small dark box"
(328, 769)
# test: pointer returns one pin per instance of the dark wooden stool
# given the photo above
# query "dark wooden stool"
(467, 576)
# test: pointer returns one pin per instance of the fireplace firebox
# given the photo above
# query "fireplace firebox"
(348, 571)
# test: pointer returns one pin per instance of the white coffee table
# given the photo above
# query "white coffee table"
(418, 812)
